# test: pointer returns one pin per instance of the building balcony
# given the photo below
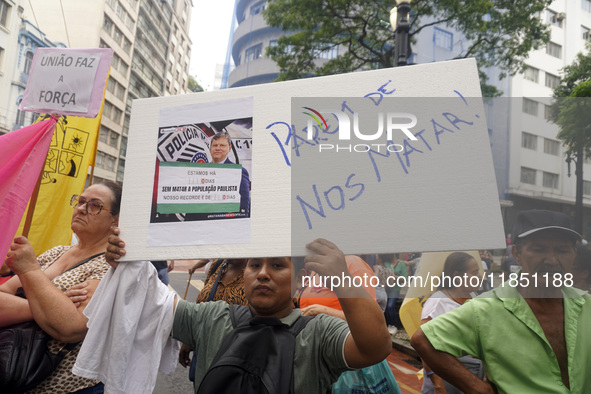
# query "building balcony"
(263, 70)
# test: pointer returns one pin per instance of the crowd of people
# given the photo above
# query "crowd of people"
(519, 337)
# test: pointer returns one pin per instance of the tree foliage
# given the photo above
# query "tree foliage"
(573, 74)
(573, 116)
(499, 32)
(193, 85)
(571, 109)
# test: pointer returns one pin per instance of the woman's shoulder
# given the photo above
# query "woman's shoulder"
(437, 305)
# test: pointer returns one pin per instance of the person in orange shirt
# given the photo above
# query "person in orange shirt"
(315, 300)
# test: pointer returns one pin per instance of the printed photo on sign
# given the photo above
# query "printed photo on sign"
(203, 174)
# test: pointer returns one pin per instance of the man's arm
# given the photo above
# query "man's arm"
(115, 249)
(448, 367)
(369, 342)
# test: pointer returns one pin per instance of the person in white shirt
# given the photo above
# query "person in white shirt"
(447, 298)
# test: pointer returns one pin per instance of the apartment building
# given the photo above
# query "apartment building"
(151, 57)
(250, 41)
(530, 163)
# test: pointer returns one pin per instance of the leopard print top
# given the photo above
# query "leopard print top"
(232, 293)
(62, 380)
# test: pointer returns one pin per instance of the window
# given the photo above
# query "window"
(123, 148)
(112, 3)
(531, 74)
(584, 33)
(121, 11)
(554, 49)
(552, 81)
(123, 68)
(4, 13)
(104, 134)
(108, 25)
(100, 159)
(257, 8)
(119, 65)
(129, 22)
(586, 5)
(528, 175)
(587, 188)
(112, 112)
(126, 127)
(113, 139)
(1, 56)
(117, 35)
(548, 112)
(529, 141)
(443, 39)
(126, 45)
(109, 162)
(553, 18)
(120, 170)
(115, 88)
(330, 53)
(530, 106)
(254, 52)
(551, 147)
(28, 62)
(550, 180)
(20, 117)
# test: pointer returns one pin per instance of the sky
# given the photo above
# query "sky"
(210, 28)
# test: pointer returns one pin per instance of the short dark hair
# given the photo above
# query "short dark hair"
(116, 190)
(386, 257)
(455, 262)
(222, 134)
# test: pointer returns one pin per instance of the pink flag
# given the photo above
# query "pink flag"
(22, 156)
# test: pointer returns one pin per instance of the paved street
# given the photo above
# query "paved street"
(178, 383)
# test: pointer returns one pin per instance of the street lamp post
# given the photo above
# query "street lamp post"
(399, 19)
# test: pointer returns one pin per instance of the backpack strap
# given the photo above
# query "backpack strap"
(240, 315)
(214, 288)
(300, 324)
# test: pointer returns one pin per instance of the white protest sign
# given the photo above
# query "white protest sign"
(67, 81)
(378, 191)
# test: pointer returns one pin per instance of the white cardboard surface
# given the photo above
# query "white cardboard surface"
(417, 224)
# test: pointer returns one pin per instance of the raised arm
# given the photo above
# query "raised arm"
(369, 342)
(51, 309)
(448, 367)
(115, 249)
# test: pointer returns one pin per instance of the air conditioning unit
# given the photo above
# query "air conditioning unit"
(560, 16)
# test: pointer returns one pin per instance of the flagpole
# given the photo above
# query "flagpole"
(32, 203)
(33, 200)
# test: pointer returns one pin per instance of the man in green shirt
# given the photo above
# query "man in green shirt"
(325, 348)
(531, 336)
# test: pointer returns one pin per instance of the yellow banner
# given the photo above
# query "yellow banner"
(72, 150)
